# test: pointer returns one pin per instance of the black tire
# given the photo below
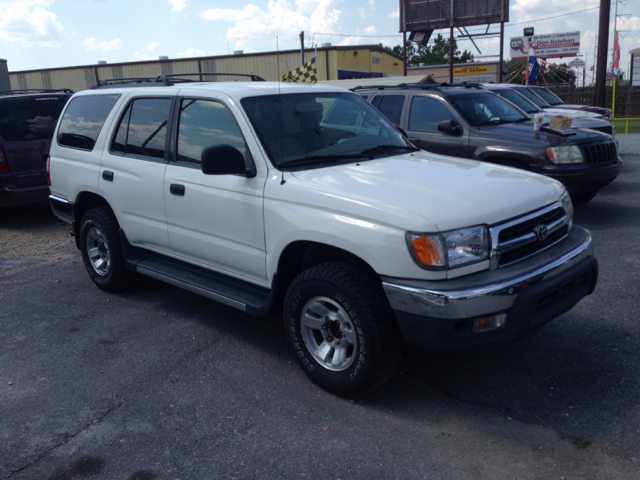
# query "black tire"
(102, 250)
(346, 311)
(582, 197)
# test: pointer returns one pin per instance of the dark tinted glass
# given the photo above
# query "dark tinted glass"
(148, 127)
(529, 95)
(343, 113)
(120, 139)
(517, 100)
(30, 118)
(548, 97)
(426, 113)
(487, 109)
(83, 120)
(204, 123)
(391, 107)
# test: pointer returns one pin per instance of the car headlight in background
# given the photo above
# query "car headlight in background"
(565, 154)
(457, 248)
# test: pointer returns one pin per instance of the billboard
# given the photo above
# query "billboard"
(635, 69)
(425, 15)
(547, 46)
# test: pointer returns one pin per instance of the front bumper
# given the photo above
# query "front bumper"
(580, 177)
(531, 293)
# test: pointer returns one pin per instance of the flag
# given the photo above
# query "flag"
(591, 69)
(534, 66)
(616, 56)
(305, 74)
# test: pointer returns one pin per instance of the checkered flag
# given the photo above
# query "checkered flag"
(305, 74)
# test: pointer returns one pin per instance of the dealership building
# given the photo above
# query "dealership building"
(332, 63)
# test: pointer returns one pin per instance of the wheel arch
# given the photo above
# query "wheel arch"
(85, 201)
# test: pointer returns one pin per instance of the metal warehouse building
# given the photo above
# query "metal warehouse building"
(332, 63)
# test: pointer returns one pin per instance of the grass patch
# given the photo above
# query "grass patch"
(621, 125)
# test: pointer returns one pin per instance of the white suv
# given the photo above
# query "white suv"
(305, 199)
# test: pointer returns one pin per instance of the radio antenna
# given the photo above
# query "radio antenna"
(282, 181)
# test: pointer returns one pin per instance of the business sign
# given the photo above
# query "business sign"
(577, 63)
(635, 69)
(425, 15)
(482, 78)
(547, 46)
(470, 70)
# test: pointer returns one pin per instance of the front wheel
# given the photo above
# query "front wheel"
(102, 250)
(341, 328)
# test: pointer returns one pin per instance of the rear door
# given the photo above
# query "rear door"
(26, 129)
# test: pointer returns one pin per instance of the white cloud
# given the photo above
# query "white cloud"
(281, 18)
(153, 46)
(93, 44)
(146, 52)
(360, 39)
(178, 5)
(395, 14)
(193, 52)
(29, 23)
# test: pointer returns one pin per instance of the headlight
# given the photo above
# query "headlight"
(567, 204)
(452, 249)
(567, 154)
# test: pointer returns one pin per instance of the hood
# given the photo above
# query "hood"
(513, 133)
(586, 108)
(423, 192)
(568, 112)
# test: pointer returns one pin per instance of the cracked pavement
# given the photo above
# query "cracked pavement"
(159, 383)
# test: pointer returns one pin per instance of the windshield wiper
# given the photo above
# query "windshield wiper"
(322, 158)
(521, 120)
(382, 148)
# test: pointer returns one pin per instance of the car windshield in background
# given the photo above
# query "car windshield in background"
(518, 100)
(315, 128)
(529, 95)
(548, 97)
(487, 109)
(30, 118)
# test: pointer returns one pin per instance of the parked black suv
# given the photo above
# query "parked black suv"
(27, 121)
(467, 122)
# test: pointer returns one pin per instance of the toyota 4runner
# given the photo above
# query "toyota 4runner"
(305, 199)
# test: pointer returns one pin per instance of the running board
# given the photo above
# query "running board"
(230, 291)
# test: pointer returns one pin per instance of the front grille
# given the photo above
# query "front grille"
(520, 239)
(600, 154)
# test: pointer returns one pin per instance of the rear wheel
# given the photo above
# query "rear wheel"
(341, 328)
(102, 250)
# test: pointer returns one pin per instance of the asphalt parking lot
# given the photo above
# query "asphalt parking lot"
(158, 383)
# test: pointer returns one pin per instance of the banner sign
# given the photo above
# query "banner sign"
(482, 78)
(547, 46)
(470, 70)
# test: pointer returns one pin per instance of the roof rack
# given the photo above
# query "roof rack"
(36, 90)
(166, 80)
(423, 86)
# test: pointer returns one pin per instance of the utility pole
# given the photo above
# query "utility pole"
(302, 47)
(600, 94)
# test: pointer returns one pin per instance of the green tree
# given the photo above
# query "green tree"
(556, 75)
(436, 53)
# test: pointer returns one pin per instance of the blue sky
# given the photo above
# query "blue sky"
(38, 34)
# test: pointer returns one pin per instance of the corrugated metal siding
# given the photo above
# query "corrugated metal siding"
(270, 66)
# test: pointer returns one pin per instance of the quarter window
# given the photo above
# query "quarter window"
(83, 119)
(426, 113)
(205, 123)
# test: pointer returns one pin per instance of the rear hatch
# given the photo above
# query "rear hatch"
(26, 129)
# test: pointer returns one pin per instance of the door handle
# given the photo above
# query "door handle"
(107, 175)
(176, 189)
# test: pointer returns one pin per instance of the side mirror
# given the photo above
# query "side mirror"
(451, 127)
(222, 160)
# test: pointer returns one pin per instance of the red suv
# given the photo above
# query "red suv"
(27, 121)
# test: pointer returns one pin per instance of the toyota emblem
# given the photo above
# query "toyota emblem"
(541, 232)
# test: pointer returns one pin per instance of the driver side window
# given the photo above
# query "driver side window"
(426, 113)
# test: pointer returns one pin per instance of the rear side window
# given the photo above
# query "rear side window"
(83, 119)
(391, 107)
(143, 128)
(33, 118)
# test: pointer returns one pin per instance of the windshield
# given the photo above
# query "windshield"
(529, 95)
(484, 108)
(315, 128)
(548, 97)
(517, 99)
